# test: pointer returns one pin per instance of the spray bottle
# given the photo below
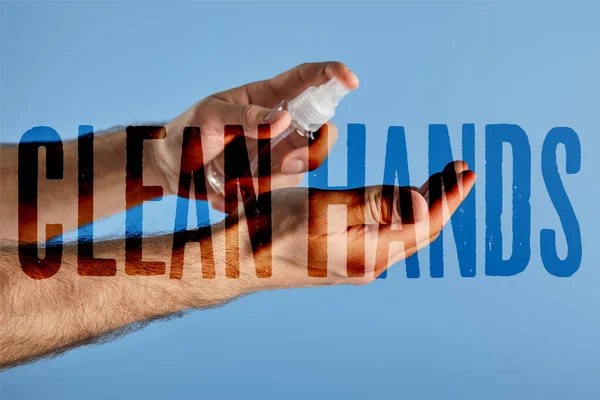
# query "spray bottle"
(310, 110)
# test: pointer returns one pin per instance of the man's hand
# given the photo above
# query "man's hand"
(250, 106)
(362, 240)
(290, 238)
(291, 230)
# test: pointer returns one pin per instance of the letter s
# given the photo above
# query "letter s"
(560, 200)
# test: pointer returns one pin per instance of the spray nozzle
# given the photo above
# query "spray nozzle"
(333, 91)
(316, 105)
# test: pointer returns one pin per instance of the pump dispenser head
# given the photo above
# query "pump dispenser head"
(315, 106)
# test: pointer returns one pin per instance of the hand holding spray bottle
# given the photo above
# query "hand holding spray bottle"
(310, 110)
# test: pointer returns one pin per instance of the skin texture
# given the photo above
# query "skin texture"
(280, 236)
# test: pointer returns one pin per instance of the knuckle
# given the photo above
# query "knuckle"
(373, 206)
(336, 66)
(248, 115)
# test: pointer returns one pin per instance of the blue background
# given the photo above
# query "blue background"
(532, 64)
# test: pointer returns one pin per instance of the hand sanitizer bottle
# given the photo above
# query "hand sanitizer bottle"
(310, 110)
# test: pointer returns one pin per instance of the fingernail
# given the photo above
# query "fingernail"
(273, 116)
(292, 166)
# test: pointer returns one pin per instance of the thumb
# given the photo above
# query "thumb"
(386, 204)
(250, 116)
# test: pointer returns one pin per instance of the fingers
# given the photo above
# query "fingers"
(446, 191)
(250, 117)
(458, 166)
(292, 166)
(374, 205)
(287, 85)
(441, 208)
(290, 84)
(386, 204)
(311, 157)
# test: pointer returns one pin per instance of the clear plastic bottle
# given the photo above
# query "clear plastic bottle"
(310, 110)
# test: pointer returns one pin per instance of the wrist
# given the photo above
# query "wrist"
(202, 273)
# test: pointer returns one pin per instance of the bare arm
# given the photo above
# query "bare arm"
(41, 317)
(46, 316)
(56, 312)
(249, 105)
(57, 200)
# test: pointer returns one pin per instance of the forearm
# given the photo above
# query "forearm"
(48, 316)
(60, 200)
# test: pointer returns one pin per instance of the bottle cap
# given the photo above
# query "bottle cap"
(315, 106)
